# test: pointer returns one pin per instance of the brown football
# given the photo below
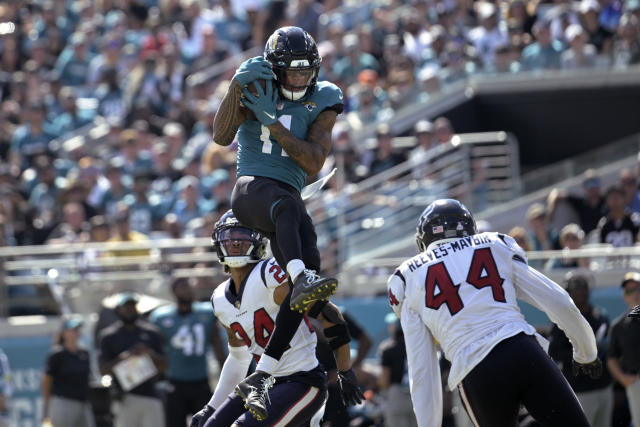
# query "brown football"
(252, 90)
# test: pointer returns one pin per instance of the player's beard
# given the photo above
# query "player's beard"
(184, 300)
(129, 320)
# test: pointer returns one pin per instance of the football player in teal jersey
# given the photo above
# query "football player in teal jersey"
(189, 328)
(284, 135)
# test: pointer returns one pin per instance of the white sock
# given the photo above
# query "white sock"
(294, 268)
(267, 364)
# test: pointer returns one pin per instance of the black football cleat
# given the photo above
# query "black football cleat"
(310, 287)
(254, 391)
(635, 312)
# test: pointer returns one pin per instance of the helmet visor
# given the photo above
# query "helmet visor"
(298, 79)
(236, 241)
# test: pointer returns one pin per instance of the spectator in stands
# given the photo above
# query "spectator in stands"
(393, 358)
(213, 50)
(384, 156)
(73, 64)
(595, 395)
(543, 238)
(629, 184)
(132, 351)
(117, 190)
(489, 35)
(121, 232)
(145, 211)
(423, 131)
(598, 36)
(5, 389)
(189, 204)
(521, 237)
(589, 207)
(545, 52)
(71, 118)
(65, 382)
(443, 129)
(73, 227)
(570, 238)
(30, 138)
(619, 227)
(626, 43)
(623, 355)
(580, 54)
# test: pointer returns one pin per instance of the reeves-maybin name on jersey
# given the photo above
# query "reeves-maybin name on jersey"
(470, 282)
(251, 315)
(259, 154)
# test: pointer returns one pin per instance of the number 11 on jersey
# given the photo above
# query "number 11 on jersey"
(265, 136)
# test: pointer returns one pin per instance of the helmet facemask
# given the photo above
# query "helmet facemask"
(238, 246)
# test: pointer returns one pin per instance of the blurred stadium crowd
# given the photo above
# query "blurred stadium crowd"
(133, 65)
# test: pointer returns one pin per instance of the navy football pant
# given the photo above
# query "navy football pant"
(277, 210)
(517, 371)
(292, 404)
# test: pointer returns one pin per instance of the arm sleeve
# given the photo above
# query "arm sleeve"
(543, 293)
(424, 371)
(233, 371)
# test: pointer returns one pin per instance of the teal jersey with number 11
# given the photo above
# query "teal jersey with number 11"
(259, 154)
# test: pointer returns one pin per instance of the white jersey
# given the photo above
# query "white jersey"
(251, 315)
(462, 293)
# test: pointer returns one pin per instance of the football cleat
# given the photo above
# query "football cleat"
(635, 312)
(254, 391)
(310, 287)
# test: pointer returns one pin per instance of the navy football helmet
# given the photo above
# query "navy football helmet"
(444, 219)
(229, 232)
(294, 56)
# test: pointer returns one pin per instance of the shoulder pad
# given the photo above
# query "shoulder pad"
(328, 94)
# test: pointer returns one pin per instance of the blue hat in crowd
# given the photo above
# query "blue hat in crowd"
(126, 297)
(71, 323)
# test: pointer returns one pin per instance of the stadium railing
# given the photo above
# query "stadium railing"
(53, 279)
(476, 168)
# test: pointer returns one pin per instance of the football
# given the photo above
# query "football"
(252, 90)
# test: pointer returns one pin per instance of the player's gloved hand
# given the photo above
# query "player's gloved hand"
(200, 418)
(263, 104)
(593, 369)
(253, 69)
(349, 388)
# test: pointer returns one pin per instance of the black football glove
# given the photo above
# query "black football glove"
(200, 418)
(349, 388)
(593, 369)
(635, 312)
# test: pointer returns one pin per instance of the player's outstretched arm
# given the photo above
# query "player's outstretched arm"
(335, 329)
(229, 116)
(424, 370)
(546, 295)
(310, 154)
(233, 371)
